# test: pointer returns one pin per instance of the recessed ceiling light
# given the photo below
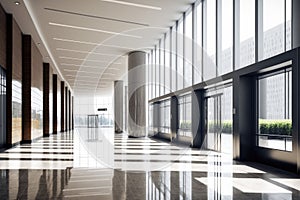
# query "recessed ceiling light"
(133, 4)
(91, 43)
(17, 3)
(92, 29)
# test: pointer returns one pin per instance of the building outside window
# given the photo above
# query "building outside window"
(275, 110)
(185, 115)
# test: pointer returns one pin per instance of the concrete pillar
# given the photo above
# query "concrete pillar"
(137, 94)
(118, 106)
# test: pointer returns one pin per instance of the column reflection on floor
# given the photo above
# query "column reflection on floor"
(109, 166)
(143, 168)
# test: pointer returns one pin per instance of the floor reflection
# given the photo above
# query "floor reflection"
(97, 164)
(33, 184)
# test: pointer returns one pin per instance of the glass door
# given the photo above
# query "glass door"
(213, 122)
(218, 111)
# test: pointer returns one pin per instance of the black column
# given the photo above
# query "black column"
(174, 116)
(70, 110)
(54, 100)
(198, 118)
(62, 110)
(66, 109)
(46, 90)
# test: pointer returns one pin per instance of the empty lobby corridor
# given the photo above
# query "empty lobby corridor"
(74, 165)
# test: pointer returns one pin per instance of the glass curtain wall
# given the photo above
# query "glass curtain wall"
(162, 66)
(173, 59)
(275, 110)
(209, 69)
(245, 54)
(188, 49)
(198, 44)
(167, 63)
(180, 54)
(16, 111)
(165, 114)
(157, 76)
(225, 62)
(185, 115)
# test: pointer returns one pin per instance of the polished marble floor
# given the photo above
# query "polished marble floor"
(97, 164)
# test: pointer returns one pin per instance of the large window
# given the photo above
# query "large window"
(275, 110)
(209, 70)
(185, 115)
(246, 51)
(226, 55)
(173, 59)
(36, 112)
(167, 64)
(162, 66)
(198, 44)
(150, 120)
(157, 67)
(16, 111)
(165, 119)
(180, 55)
(188, 50)
(273, 32)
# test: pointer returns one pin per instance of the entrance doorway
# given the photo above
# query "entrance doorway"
(218, 123)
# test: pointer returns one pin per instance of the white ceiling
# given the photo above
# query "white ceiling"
(87, 41)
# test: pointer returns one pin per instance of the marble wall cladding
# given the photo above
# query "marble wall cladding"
(2, 38)
(16, 83)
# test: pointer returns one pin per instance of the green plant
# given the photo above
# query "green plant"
(275, 127)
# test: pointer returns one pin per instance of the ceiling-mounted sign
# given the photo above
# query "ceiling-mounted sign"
(102, 109)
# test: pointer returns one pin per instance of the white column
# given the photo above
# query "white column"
(137, 94)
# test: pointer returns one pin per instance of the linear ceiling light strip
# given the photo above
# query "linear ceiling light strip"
(92, 29)
(97, 17)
